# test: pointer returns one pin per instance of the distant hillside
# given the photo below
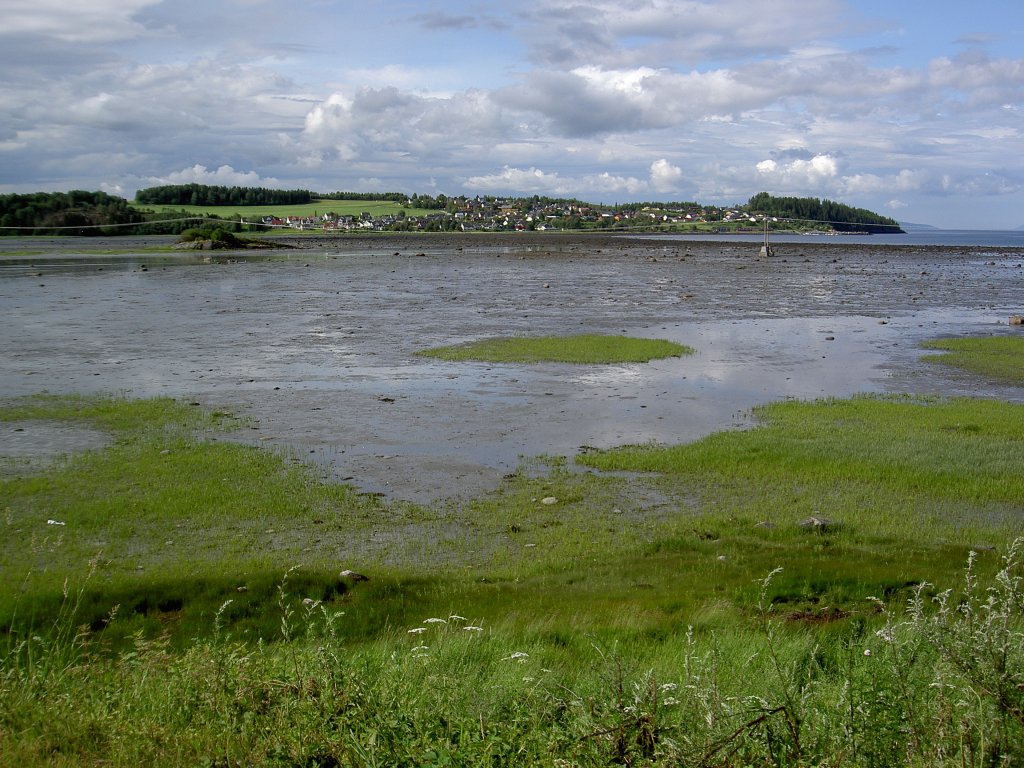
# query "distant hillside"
(840, 217)
(76, 212)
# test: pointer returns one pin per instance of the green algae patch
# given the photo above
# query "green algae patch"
(584, 349)
(1000, 358)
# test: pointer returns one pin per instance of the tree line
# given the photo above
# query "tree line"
(842, 218)
(63, 212)
(205, 194)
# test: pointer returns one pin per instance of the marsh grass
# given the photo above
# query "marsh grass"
(175, 523)
(581, 349)
(998, 358)
(936, 682)
(625, 609)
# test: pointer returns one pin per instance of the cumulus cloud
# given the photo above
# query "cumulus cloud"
(531, 181)
(798, 173)
(665, 177)
(225, 175)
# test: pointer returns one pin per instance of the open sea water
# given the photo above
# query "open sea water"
(938, 237)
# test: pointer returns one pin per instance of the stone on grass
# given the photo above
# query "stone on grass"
(816, 523)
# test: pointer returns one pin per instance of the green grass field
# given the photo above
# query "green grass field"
(315, 208)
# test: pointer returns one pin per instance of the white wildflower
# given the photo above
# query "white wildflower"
(867, 651)
(456, 617)
(519, 656)
(417, 630)
(434, 620)
(670, 701)
(472, 628)
(668, 687)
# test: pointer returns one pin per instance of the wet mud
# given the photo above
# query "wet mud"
(317, 345)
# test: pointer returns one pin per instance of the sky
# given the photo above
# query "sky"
(911, 108)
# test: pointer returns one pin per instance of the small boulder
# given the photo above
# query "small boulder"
(815, 523)
(353, 576)
(1016, 319)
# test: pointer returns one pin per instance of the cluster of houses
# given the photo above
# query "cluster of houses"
(514, 214)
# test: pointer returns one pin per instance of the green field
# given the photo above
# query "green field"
(315, 208)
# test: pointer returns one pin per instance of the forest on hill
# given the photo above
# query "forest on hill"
(842, 218)
(76, 212)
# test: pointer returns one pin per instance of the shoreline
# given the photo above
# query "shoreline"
(56, 246)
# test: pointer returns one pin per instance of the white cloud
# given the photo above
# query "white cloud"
(225, 175)
(799, 173)
(604, 186)
(532, 181)
(665, 177)
(611, 184)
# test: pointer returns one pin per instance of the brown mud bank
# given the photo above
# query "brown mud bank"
(318, 345)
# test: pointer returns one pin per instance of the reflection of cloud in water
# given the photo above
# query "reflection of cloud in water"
(608, 375)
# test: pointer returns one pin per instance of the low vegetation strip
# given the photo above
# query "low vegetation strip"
(998, 358)
(582, 349)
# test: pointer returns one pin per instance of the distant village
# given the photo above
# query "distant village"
(523, 214)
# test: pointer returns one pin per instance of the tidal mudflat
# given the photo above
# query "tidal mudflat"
(317, 346)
